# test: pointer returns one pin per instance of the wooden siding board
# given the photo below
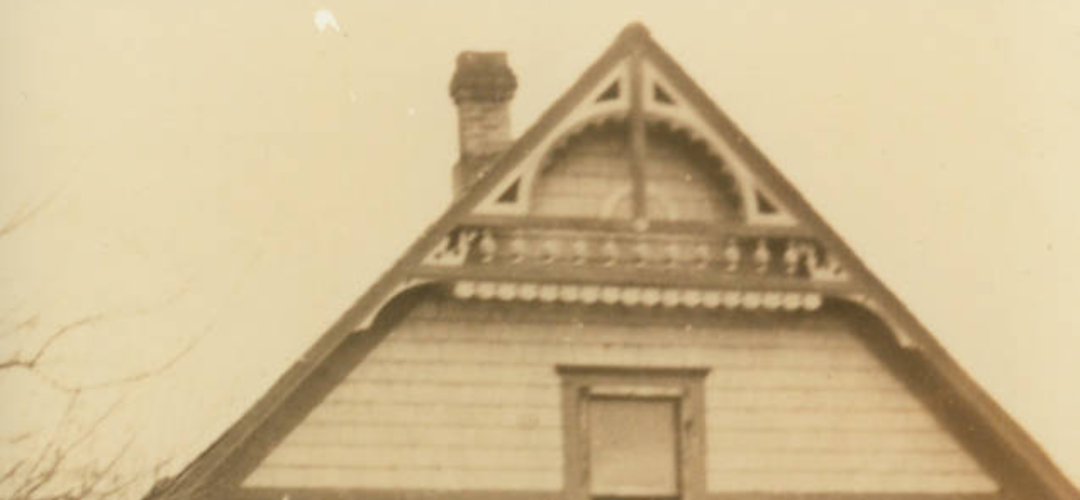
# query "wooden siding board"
(460, 387)
(848, 482)
(413, 457)
(823, 419)
(360, 434)
(783, 441)
(422, 494)
(884, 463)
(348, 493)
(462, 415)
(429, 478)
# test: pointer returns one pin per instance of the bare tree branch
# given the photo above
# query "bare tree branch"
(32, 362)
(37, 478)
(48, 473)
(25, 214)
(53, 468)
(136, 377)
(26, 324)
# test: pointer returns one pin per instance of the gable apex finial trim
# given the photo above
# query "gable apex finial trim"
(634, 32)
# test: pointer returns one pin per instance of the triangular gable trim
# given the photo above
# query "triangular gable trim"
(1038, 470)
(610, 98)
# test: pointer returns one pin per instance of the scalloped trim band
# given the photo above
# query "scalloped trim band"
(637, 296)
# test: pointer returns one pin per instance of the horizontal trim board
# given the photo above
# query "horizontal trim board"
(632, 371)
(626, 225)
(565, 273)
(387, 494)
(396, 494)
(446, 309)
(852, 496)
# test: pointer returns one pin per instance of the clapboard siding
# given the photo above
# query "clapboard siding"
(465, 396)
(413, 478)
(412, 432)
(771, 462)
(376, 457)
(822, 419)
(869, 443)
(856, 480)
(407, 391)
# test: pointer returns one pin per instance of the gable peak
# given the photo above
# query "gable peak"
(635, 31)
(635, 87)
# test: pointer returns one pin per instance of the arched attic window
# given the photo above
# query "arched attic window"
(589, 175)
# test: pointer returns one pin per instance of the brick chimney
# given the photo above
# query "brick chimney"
(482, 88)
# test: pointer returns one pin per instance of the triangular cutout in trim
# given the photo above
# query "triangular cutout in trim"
(661, 96)
(611, 94)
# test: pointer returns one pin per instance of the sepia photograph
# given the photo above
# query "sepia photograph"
(508, 250)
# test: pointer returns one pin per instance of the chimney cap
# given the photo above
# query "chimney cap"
(482, 76)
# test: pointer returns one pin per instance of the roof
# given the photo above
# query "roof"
(1027, 464)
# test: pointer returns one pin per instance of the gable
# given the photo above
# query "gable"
(776, 258)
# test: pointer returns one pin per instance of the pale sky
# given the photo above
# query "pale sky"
(232, 175)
